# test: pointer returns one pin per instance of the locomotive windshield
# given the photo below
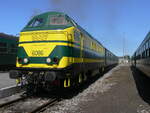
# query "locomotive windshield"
(36, 22)
(58, 20)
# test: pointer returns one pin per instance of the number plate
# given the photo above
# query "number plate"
(37, 53)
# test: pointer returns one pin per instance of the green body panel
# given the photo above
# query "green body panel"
(21, 53)
(8, 57)
(59, 52)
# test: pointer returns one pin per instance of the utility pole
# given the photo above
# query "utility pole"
(123, 47)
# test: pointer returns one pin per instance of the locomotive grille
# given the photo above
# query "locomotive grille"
(39, 37)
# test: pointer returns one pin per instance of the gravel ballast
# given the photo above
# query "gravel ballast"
(73, 105)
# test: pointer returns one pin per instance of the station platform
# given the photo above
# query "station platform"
(129, 93)
(5, 81)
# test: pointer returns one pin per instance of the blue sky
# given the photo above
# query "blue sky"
(109, 21)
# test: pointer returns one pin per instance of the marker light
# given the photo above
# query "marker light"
(25, 60)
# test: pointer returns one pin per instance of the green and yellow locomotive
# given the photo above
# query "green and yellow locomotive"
(54, 51)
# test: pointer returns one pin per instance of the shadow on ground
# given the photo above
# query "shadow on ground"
(142, 83)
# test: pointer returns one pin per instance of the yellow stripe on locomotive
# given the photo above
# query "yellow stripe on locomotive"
(41, 48)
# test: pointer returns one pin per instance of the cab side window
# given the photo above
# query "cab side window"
(77, 36)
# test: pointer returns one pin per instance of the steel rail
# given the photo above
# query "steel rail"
(49, 103)
(12, 101)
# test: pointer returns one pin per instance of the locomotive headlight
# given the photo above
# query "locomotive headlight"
(48, 60)
(25, 60)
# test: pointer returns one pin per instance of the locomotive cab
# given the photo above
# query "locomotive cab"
(44, 49)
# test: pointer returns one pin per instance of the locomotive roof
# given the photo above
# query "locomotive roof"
(50, 13)
(45, 26)
(145, 39)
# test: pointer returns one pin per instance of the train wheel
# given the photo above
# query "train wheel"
(84, 76)
(101, 70)
(80, 78)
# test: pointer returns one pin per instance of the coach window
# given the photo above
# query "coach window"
(3, 47)
(139, 54)
(149, 43)
(92, 45)
(13, 49)
(84, 42)
(87, 42)
(148, 48)
(97, 47)
(145, 51)
(142, 51)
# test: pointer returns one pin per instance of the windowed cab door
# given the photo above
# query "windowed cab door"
(78, 50)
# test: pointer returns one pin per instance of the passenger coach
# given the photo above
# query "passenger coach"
(8, 51)
(141, 57)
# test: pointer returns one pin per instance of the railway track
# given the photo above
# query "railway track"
(12, 102)
(43, 107)
(27, 105)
